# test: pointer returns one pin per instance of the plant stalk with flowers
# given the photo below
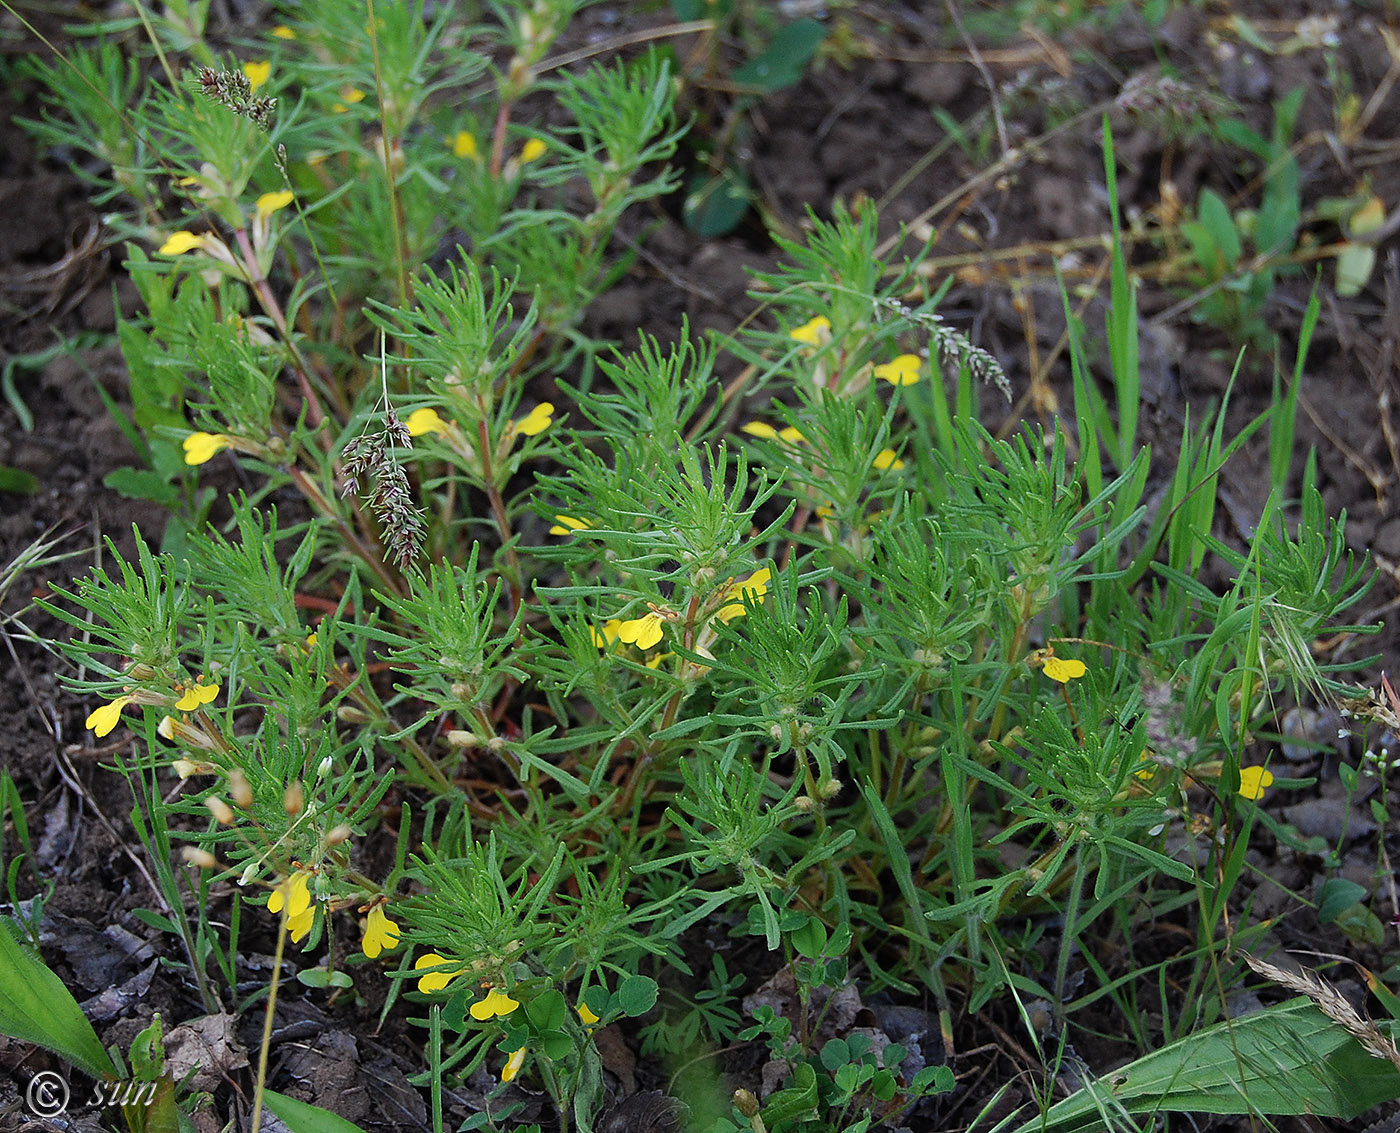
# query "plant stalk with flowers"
(596, 657)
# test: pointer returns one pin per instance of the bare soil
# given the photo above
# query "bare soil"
(862, 130)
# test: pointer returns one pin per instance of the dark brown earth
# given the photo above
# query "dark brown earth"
(865, 130)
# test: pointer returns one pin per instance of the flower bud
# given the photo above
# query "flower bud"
(220, 810)
(459, 737)
(338, 834)
(239, 789)
(325, 767)
(294, 798)
(746, 1103)
(141, 671)
(250, 871)
(198, 857)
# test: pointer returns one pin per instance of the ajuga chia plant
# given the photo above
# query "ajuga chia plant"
(594, 657)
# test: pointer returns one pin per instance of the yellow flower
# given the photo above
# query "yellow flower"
(903, 371)
(643, 632)
(814, 332)
(381, 934)
(513, 1065)
(537, 420)
(350, 95)
(298, 926)
(532, 150)
(257, 73)
(1064, 670)
(754, 587)
(103, 720)
(422, 421)
(282, 31)
(586, 1015)
(496, 1003)
(792, 434)
(1253, 781)
(293, 894)
(197, 694)
(434, 981)
(201, 447)
(464, 145)
(269, 203)
(886, 459)
(567, 525)
(179, 243)
(608, 634)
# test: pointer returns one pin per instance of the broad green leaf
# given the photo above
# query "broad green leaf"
(1289, 1059)
(636, 995)
(797, 1101)
(17, 480)
(36, 1008)
(716, 203)
(300, 1117)
(782, 64)
(1335, 896)
(142, 484)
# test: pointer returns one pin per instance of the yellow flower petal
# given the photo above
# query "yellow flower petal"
(179, 243)
(201, 447)
(903, 371)
(352, 95)
(434, 981)
(754, 587)
(567, 525)
(886, 459)
(537, 420)
(381, 934)
(792, 434)
(422, 421)
(269, 203)
(1253, 781)
(1064, 669)
(103, 720)
(513, 1065)
(464, 145)
(532, 150)
(496, 1003)
(257, 73)
(586, 1015)
(759, 429)
(814, 332)
(293, 893)
(299, 924)
(197, 694)
(282, 31)
(602, 639)
(643, 632)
